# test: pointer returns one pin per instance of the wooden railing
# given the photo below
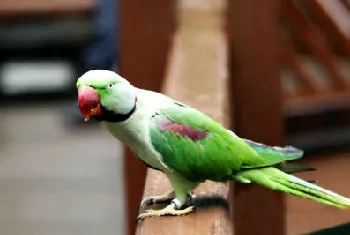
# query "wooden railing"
(224, 58)
(317, 34)
(197, 72)
(333, 18)
(146, 32)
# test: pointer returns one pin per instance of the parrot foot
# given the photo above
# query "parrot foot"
(168, 196)
(169, 210)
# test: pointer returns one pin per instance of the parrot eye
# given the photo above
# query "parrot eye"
(110, 85)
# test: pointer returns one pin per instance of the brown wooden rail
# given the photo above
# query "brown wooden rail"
(196, 68)
(196, 72)
(145, 38)
(334, 18)
(196, 75)
(313, 33)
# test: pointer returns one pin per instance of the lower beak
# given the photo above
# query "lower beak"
(87, 118)
(95, 111)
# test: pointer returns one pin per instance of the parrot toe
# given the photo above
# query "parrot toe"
(169, 210)
(164, 198)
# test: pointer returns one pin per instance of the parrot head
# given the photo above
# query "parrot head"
(100, 90)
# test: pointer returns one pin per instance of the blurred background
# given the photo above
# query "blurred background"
(59, 175)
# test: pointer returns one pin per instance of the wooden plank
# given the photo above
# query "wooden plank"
(197, 77)
(308, 86)
(321, 102)
(146, 30)
(309, 33)
(254, 54)
(37, 7)
(338, 14)
(334, 19)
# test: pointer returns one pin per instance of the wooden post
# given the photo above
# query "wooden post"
(145, 35)
(254, 52)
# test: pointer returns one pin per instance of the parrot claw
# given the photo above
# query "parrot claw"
(169, 210)
(166, 197)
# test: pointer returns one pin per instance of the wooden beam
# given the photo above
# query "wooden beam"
(254, 54)
(332, 14)
(316, 104)
(316, 42)
(146, 29)
(290, 58)
(333, 18)
(196, 76)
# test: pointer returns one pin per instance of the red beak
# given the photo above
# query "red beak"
(88, 101)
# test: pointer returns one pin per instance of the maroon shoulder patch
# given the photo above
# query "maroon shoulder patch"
(182, 130)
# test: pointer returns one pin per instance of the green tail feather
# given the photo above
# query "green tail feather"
(275, 179)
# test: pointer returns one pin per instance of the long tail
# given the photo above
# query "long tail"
(275, 179)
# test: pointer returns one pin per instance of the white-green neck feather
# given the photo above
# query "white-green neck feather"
(120, 98)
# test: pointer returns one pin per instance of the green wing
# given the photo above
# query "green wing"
(199, 148)
(274, 154)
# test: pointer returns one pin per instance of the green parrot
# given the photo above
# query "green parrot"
(186, 145)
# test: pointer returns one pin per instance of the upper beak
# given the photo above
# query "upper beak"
(88, 101)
